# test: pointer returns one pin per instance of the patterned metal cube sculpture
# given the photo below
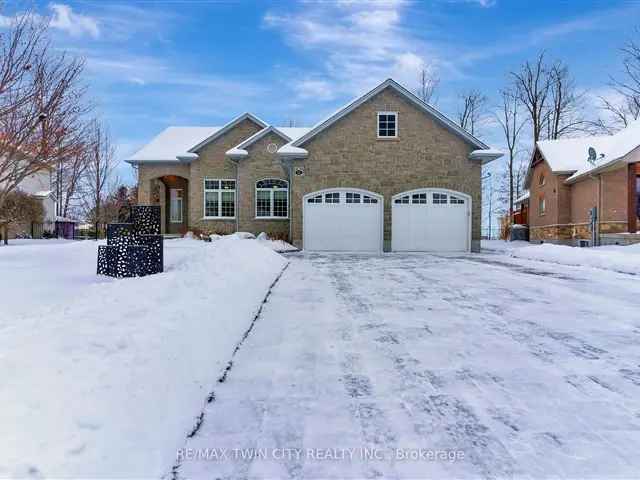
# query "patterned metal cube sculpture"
(133, 249)
(146, 218)
(107, 260)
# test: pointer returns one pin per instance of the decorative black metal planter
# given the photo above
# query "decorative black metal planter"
(134, 248)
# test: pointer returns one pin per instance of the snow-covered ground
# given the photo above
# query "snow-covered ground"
(103, 377)
(624, 259)
(512, 367)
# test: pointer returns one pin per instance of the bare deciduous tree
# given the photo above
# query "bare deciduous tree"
(474, 105)
(41, 103)
(428, 82)
(625, 109)
(98, 173)
(565, 115)
(511, 124)
(532, 86)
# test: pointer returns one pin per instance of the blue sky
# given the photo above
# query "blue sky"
(154, 64)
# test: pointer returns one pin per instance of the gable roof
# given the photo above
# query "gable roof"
(227, 127)
(293, 148)
(176, 144)
(569, 155)
(286, 133)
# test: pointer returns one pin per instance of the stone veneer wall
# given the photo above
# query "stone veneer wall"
(213, 163)
(260, 164)
(349, 154)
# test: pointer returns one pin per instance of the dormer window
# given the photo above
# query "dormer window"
(387, 124)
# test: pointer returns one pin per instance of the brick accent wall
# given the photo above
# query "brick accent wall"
(349, 154)
(566, 219)
(260, 164)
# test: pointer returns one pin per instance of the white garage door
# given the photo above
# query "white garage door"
(347, 220)
(431, 220)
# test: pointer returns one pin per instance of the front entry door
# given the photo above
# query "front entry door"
(176, 209)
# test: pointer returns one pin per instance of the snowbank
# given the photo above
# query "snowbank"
(103, 377)
(276, 245)
(502, 245)
(617, 258)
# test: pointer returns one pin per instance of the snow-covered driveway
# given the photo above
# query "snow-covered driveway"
(509, 367)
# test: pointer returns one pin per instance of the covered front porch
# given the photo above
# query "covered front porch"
(171, 193)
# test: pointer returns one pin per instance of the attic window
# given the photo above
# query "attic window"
(541, 179)
(387, 124)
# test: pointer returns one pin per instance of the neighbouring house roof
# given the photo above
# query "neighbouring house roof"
(286, 133)
(42, 193)
(180, 144)
(294, 149)
(570, 155)
(522, 198)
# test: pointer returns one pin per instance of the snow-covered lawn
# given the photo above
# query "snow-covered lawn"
(624, 259)
(103, 377)
(521, 369)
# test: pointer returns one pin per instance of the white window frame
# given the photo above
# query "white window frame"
(271, 199)
(542, 205)
(219, 191)
(171, 220)
(395, 114)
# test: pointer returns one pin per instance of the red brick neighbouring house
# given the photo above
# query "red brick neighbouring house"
(567, 178)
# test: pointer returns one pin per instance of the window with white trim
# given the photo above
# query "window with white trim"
(219, 198)
(419, 198)
(333, 197)
(387, 124)
(353, 197)
(272, 198)
(455, 200)
(316, 199)
(439, 198)
(401, 200)
(368, 199)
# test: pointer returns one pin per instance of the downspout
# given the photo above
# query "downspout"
(237, 206)
(599, 208)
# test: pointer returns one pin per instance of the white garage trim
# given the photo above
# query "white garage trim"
(429, 191)
(342, 195)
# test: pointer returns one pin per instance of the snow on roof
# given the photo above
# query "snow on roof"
(293, 147)
(287, 133)
(294, 133)
(43, 193)
(523, 197)
(486, 155)
(172, 143)
(571, 155)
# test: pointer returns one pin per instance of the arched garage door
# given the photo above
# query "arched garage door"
(431, 220)
(342, 219)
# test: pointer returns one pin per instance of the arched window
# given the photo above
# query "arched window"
(272, 198)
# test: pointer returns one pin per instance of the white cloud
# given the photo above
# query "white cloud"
(64, 18)
(318, 89)
(357, 44)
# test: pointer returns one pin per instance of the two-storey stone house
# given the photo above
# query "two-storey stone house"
(385, 172)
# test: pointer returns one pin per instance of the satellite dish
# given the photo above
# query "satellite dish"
(592, 155)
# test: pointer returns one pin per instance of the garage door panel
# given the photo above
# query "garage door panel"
(354, 223)
(430, 220)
